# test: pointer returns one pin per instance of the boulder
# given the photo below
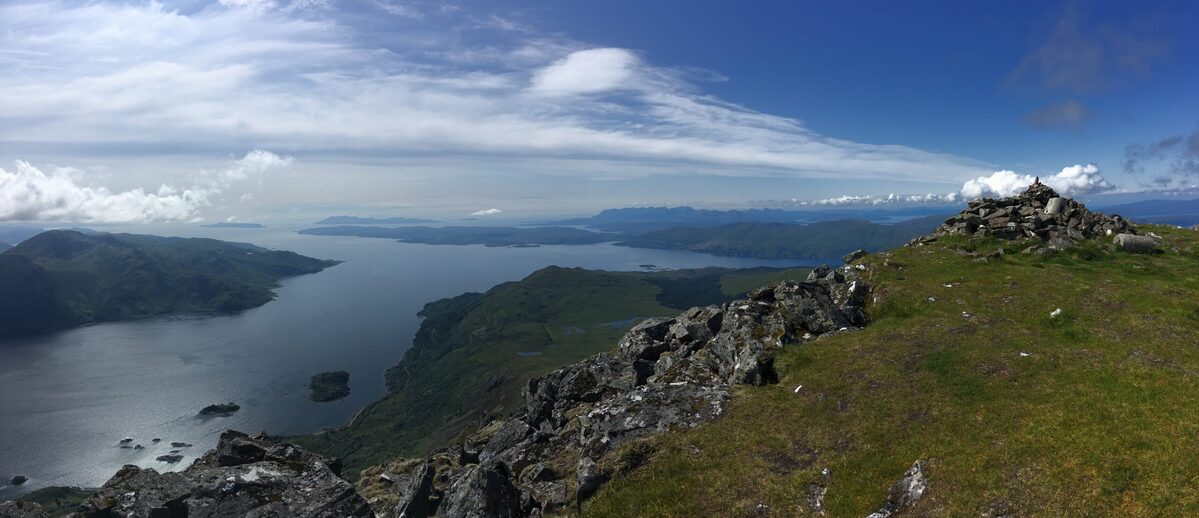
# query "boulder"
(18, 480)
(859, 253)
(1134, 243)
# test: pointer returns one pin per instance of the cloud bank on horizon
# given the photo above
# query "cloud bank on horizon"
(1072, 181)
(59, 194)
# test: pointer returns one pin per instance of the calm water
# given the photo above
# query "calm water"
(67, 399)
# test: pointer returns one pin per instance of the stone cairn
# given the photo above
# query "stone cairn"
(1036, 214)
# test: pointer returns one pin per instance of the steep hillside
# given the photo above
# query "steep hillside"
(473, 353)
(779, 240)
(62, 278)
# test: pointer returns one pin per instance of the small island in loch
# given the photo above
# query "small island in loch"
(220, 410)
(329, 386)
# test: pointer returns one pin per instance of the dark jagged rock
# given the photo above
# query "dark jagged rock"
(1037, 213)
(564, 442)
(243, 476)
(18, 480)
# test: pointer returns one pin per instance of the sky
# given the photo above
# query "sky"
(129, 111)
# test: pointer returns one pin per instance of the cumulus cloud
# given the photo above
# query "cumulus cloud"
(486, 212)
(1074, 180)
(28, 193)
(889, 199)
(586, 71)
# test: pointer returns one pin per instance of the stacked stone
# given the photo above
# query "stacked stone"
(1037, 213)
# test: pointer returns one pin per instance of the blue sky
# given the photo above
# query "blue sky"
(138, 111)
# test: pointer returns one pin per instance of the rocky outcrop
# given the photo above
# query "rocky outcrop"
(1037, 213)
(243, 476)
(578, 426)
(21, 509)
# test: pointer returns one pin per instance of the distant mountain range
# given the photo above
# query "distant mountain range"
(228, 224)
(355, 220)
(766, 240)
(490, 236)
(779, 240)
(63, 278)
(647, 219)
(4, 246)
(1183, 213)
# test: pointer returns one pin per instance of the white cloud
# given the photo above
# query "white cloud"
(586, 71)
(142, 76)
(31, 194)
(1075, 180)
(1072, 181)
(486, 212)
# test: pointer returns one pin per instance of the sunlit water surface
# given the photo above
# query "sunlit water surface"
(67, 399)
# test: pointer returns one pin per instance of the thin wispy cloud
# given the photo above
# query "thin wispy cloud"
(302, 77)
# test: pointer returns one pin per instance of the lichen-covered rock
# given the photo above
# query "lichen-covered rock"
(1037, 213)
(666, 373)
(243, 476)
(905, 492)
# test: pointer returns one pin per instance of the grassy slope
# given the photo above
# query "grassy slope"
(465, 368)
(1100, 417)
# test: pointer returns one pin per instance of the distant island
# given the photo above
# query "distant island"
(356, 220)
(229, 224)
(220, 410)
(825, 239)
(489, 236)
(638, 220)
(786, 241)
(64, 278)
(329, 386)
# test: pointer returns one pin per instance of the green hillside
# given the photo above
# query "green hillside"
(1017, 412)
(474, 352)
(63, 278)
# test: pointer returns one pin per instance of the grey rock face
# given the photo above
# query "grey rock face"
(905, 492)
(243, 476)
(1135, 243)
(18, 509)
(563, 443)
(1037, 213)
